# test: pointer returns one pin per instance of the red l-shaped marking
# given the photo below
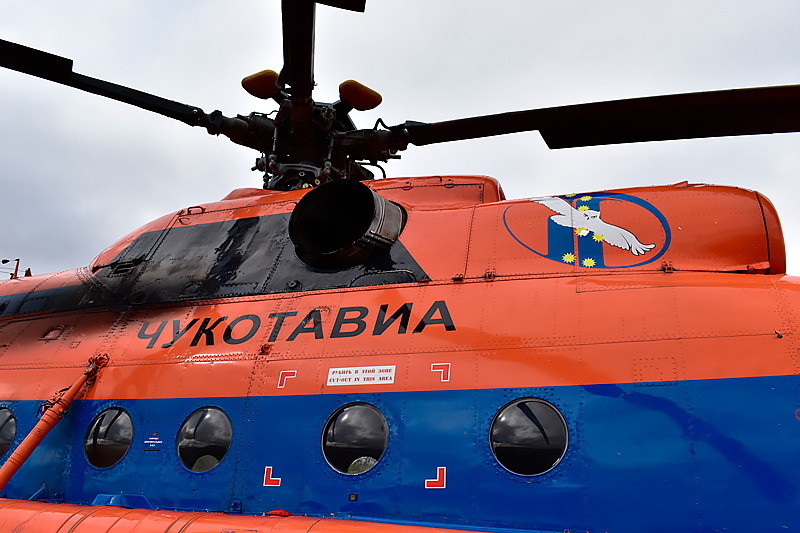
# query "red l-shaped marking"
(441, 479)
(270, 481)
(285, 374)
(444, 368)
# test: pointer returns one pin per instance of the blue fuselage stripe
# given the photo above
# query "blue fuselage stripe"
(714, 453)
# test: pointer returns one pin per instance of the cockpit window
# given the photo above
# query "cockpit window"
(204, 439)
(8, 429)
(109, 438)
(355, 438)
(528, 436)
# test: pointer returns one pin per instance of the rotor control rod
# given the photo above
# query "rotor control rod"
(54, 410)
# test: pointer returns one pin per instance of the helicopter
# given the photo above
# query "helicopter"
(154, 321)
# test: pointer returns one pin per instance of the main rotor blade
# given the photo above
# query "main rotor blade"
(350, 5)
(657, 118)
(59, 69)
(298, 46)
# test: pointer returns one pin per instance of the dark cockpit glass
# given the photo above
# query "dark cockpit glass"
(528, 436)
(355, 438)
(109, 438)
(8, 430)
(204, 439)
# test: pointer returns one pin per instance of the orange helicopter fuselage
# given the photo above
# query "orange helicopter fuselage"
(657, 322)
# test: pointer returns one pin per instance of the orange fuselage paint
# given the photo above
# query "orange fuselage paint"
(36, 517)
(508, 306)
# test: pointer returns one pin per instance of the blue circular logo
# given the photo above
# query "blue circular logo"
(575, 232)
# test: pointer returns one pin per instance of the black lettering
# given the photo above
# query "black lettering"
(315, 328)
(177, 333)
(341, 320)
(152, 336)
(278, 323)
(228, 335)
(403, 311)
(204, 329)
(444, 319)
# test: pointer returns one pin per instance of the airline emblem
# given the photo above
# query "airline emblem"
(577, 231)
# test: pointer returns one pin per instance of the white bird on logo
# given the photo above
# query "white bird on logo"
(589, 220)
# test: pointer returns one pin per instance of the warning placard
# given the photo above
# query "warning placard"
(361, 375)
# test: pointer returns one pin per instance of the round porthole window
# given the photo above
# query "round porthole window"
(109, 438)
(355, 438)
(8, 430)
(528, 436)
(204, 439)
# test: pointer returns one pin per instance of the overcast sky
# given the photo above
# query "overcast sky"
(78, 171)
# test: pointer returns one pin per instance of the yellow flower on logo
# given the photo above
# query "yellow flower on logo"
(568, 258)
(588, 262)
(586, 198)
(598, 238)
(583, 208)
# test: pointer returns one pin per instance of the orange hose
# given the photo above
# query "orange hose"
(58, 405)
